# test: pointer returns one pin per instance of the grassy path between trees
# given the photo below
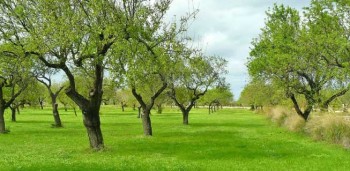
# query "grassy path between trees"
(230, 139)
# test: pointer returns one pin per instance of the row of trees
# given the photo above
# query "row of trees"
(302, 57)
(127, 41)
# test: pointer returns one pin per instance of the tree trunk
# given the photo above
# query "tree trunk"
(134, 107)
(13, 114)
(139, 114)
(17, 108)
(56, 116)
(91, 120)
(41, 104)
(185, 117)
(252, 107)
(122, 106)
(159, 108)
(146, 122)
(2, 122)
(55, 112)
(306, 113)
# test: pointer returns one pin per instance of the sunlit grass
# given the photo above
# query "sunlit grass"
(230, 139)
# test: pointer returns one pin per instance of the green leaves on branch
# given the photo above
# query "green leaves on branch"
(304, 56)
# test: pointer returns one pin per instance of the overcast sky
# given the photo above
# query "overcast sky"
(227, 27)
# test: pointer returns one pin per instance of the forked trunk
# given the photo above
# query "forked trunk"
(307, 111)
(91, 120)
(2, 122)
(146, 122)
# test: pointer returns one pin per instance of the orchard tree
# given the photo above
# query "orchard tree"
(258, 93)
(14, 78)
(148, 43)
(192, 81)
(218, 95)
(283, 54)
(44, 76)
(122, 97)
(34, 95)
(68, 36)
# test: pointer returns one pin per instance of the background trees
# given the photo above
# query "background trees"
(150, 40)
(259, 93)
(193, 79)
(284, 55)
(44, 76)
(14, 78)
(68, 35)
(87, 41)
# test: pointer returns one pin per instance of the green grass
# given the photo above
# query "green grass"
(230, 139)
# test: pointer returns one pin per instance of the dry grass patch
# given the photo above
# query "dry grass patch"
(285, 117)
(329, 128)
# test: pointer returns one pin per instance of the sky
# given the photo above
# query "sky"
(226, 28)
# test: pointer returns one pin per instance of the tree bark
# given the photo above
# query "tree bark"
(146, 123)
(307, 111)
(2, 121)
(325, 104)
(56, 115)
(91, 120)
(13, 114)
(139, 113)
(55, 112)
(185, 117)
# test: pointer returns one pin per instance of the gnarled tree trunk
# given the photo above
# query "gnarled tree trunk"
(146, 122)
(307, 111)
(55, 112)
(56, 115)
(91, 120)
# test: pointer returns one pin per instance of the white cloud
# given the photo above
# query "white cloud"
(227, 27)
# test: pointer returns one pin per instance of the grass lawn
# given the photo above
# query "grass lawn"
(230, 139)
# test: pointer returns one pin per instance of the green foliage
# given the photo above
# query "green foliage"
(222, 94)
(297, 55)
(260, 93)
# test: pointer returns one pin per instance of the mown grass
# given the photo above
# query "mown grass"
(231, 139)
